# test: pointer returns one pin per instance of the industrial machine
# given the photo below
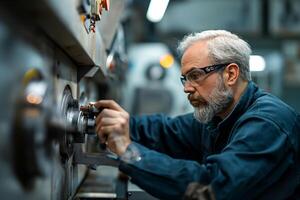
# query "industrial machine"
(153, 74)
(55, 56)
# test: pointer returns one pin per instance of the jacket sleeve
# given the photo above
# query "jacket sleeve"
(178, 137)
(255, 158)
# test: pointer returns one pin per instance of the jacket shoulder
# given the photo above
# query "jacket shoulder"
(277, 113)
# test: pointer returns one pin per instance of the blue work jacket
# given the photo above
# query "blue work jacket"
(252, 154)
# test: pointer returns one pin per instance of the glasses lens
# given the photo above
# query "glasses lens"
(195, 75)
(183, 80)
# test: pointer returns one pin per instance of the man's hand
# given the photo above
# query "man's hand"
(112, 126)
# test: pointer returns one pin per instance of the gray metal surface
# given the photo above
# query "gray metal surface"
(103, 183)
(44, 49)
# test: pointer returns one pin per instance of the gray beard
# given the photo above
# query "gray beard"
(218, 101)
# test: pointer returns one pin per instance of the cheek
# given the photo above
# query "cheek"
(202, 94)
(205, 90)
(213, 83)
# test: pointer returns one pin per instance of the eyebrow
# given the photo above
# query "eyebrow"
(195, 67)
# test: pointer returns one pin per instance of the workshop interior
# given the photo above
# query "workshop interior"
(59, 55)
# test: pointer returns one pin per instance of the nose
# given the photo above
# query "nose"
(188, 88)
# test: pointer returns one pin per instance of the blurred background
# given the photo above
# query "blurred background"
(271, 27)
(58, 55)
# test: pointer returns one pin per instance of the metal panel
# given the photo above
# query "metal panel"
(45, 50)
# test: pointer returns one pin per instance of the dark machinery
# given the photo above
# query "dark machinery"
(55, 56)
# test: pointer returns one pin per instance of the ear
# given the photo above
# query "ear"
(231, 74)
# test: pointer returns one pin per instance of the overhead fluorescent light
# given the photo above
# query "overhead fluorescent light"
(257, 63)
(156, 10)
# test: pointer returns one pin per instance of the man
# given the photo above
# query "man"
(241, 141)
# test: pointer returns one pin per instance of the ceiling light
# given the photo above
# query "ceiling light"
(156, 10)
(257, 63)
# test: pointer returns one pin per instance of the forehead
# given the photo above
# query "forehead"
(195, 55)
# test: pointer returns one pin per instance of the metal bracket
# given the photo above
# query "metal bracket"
(93, 159)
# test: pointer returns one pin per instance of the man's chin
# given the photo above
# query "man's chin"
(198, 116)
(201, 120)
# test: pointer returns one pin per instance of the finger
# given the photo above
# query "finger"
(105, 132)
(108, 113)
(97, 128)
(102, 135)
(108, 129)
(108, 104)
(107, 121)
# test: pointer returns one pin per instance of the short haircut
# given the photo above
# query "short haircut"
(223, 47)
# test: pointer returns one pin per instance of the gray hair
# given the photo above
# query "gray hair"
(223, 47)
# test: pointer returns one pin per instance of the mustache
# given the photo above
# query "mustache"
(198, 98)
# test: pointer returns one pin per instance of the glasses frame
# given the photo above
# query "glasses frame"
(207, 70)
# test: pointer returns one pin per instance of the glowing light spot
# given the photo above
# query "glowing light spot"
(257, 63)
(167, 61)
(34, 99)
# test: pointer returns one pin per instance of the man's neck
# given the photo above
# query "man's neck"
(237, 95)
